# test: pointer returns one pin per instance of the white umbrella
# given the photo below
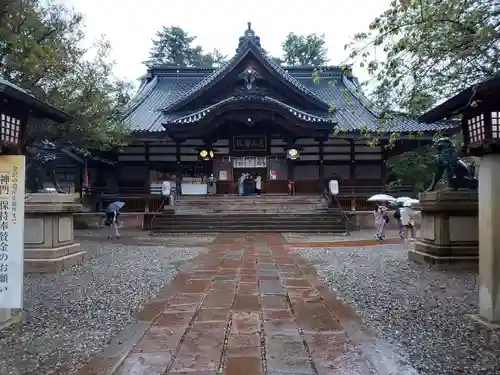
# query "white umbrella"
(410, 202)
(403, 199)
(381, 198)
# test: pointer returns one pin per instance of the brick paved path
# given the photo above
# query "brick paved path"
(248, 306)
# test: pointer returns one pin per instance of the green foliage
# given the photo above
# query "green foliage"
(174, 46)
(420, 52)
(40, 51)
(304, 50)
(413, 168)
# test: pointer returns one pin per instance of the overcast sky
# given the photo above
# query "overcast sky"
(130, 25)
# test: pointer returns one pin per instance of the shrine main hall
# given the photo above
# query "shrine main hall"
(248, 114)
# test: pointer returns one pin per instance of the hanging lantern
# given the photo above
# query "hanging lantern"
(292, 154)
(206, 154)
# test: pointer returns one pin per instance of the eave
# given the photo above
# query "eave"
(217, 75)
(461, 101)
(250, 100)
(38, 107)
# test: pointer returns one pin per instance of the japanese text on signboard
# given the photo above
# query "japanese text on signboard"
(5, 197)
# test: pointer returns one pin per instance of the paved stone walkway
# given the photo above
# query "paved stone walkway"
(248, 306)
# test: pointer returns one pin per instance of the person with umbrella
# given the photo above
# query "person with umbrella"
(380, 213)
(112, 213)
(407, 218)
(397, 214)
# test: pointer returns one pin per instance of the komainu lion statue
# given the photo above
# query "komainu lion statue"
(458, 174)
(43, 164)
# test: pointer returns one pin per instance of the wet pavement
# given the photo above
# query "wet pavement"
(248, 306)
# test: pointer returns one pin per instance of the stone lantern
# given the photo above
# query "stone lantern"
(16, 107)
(479, 109)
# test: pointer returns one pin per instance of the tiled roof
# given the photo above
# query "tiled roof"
(160, 99)
(202, 113)
(226, 68)
(41, 108)
(354, 112)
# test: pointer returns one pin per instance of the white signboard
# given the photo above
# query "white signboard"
(260, 162)
(250, 162)
(223, 175)
(12, 173)
(238, 163)
(334, 187)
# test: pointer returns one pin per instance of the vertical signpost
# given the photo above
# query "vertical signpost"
(12, 180)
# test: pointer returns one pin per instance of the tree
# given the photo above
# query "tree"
(414, 168)
(303, 50)
(40, 51)
(174, 46)
(420, 52)
(212, 59)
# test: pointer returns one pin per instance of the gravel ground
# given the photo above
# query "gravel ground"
(322, 237)
(72, 315)
(421, 311)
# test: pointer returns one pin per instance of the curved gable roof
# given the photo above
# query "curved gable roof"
(249, 46)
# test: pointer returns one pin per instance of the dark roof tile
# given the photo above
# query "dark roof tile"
(198, 115)
(159, 100)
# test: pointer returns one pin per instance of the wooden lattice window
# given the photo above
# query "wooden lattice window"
(476, 128)
(495, 125)
(10, 129)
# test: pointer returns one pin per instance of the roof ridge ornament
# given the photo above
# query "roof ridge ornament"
(248, 37)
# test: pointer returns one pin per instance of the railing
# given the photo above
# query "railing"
(99, 199)
(333, 202)
(350, 198)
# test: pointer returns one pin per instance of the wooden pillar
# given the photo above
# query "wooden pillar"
(117, 171)
(352, 172)
(383, 167)
(178, 171)
(148, 177)
(322, 180)
(290, 143)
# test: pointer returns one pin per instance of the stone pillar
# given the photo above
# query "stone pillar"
(489, 239)
(49, 244)
(449, 230)
(5, 318)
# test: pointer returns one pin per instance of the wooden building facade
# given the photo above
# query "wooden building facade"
(250, 111)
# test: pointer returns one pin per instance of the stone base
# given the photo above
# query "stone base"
(49, 244)
(443, 261)
(449, 230)
(488, 325)
(53, 260)
(7, 319)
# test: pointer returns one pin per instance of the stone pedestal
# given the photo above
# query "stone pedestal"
(5, 318)
(449, 229)
(489, 239)
(49, 244)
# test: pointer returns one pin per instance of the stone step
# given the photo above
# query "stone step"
(251, 230)
(158, 224)
(252, 216)
(295, 223)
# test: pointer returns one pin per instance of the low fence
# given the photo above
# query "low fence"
(350, 198)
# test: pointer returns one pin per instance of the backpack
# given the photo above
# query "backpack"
(397, 214)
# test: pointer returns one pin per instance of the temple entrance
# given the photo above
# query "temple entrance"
(251, 171)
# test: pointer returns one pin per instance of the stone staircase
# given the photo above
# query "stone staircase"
(267, 213)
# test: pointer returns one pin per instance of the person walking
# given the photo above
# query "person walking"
(166, 189)
(241, 186)
(258, 184)
(212, 187)
(407, 219)
(397, 216)
(381, 219)
(111, 222)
